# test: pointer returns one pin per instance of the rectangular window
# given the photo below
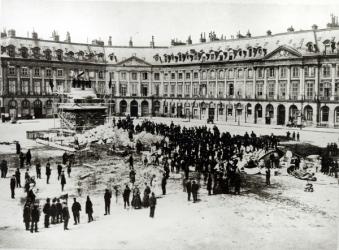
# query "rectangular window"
(231, 89)
(165, 89)
(37, 88)
(326, 71)
(157, 76)
(295, 72)
(134, 87)
(24, 87)
(221, 89)
(36, 72)
(230, 74)
(144, 76)
(240, 73)
(172, 89)
(11, 71)
(179, 89)
(188, 75)
(144, 90)
(195, 75)
(180, 76)
(24, 71)
(48, 72)
(123, 75)
(187, 89)
(165, 76)
(309, 89)
(101, 75)
(173, 76)
(271, 86)
(249, 73)
(134, 76)
(282, 89)
(283, 72)
(271, 72)
(123, 89)
(260, 73)
(259, 89)
(195, 90)
(11, 87)
(60, 72)
(294, 90)
(111, 75)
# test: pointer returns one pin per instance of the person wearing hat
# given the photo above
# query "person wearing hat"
(59, 170)
(59, 212)
(152, 204)
(48, 171)
(53, 211)
(65, 215)
(18, 177)
(76, 208)
(47, 212)
(35, 215)
(163, 184)
(63, 180)
(12, 186)
(27, 215)
(89, 209)
(107, 198)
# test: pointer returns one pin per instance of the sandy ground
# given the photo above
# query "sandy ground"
(281, 216)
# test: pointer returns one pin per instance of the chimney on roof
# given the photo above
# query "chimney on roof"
(269, 33)
(314, 27)
(68, 37)
(110, 41)
(11, 33)
(3, 34)
(248, 34)
(34, 35)
(130, 43)
(290, 29)
(189, 40)
(152, 42)
(98, 42)
(55, 36)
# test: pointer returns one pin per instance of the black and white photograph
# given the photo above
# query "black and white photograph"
(172, 125)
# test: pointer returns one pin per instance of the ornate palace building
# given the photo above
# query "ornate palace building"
(290, 77)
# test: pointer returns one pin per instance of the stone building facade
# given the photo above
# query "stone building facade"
(284, 78)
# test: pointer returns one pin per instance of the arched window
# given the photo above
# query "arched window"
(24, 52)
(48, 54)
(11, 50)
(325, 113)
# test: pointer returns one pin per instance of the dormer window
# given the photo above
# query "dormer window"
(48, 54)
(24, 52)
(36, 52)
(80, 55)
(11, 50)
(59, 54)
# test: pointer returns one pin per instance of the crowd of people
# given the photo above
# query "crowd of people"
(204, 157)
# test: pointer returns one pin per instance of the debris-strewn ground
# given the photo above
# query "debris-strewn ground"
(281, 216)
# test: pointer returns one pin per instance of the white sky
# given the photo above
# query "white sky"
(165, 20)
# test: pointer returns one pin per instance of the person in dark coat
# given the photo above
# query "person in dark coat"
(63, 181)
(22, 159)
(18, 148)
(38, 170)
(188, 189)
(268, 176)
(35, 216)
(47, 212)
(59, 170)
(130, 160)
(18, 177)
(152, 204)
(28, 157)
(107, 198)
(59, 211)
(12, 186)
(132, 176)
(195, 188)
(147, 192)
(65, 215)
(125, 195)
(53, 211)
(89, 209)
(4, 168)
(69, 170)
(136, 200)
(64, 158)
(76, 208)
(209, 184)
(27, 215)
(27, 176)
(163, 184)
(48, 171)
